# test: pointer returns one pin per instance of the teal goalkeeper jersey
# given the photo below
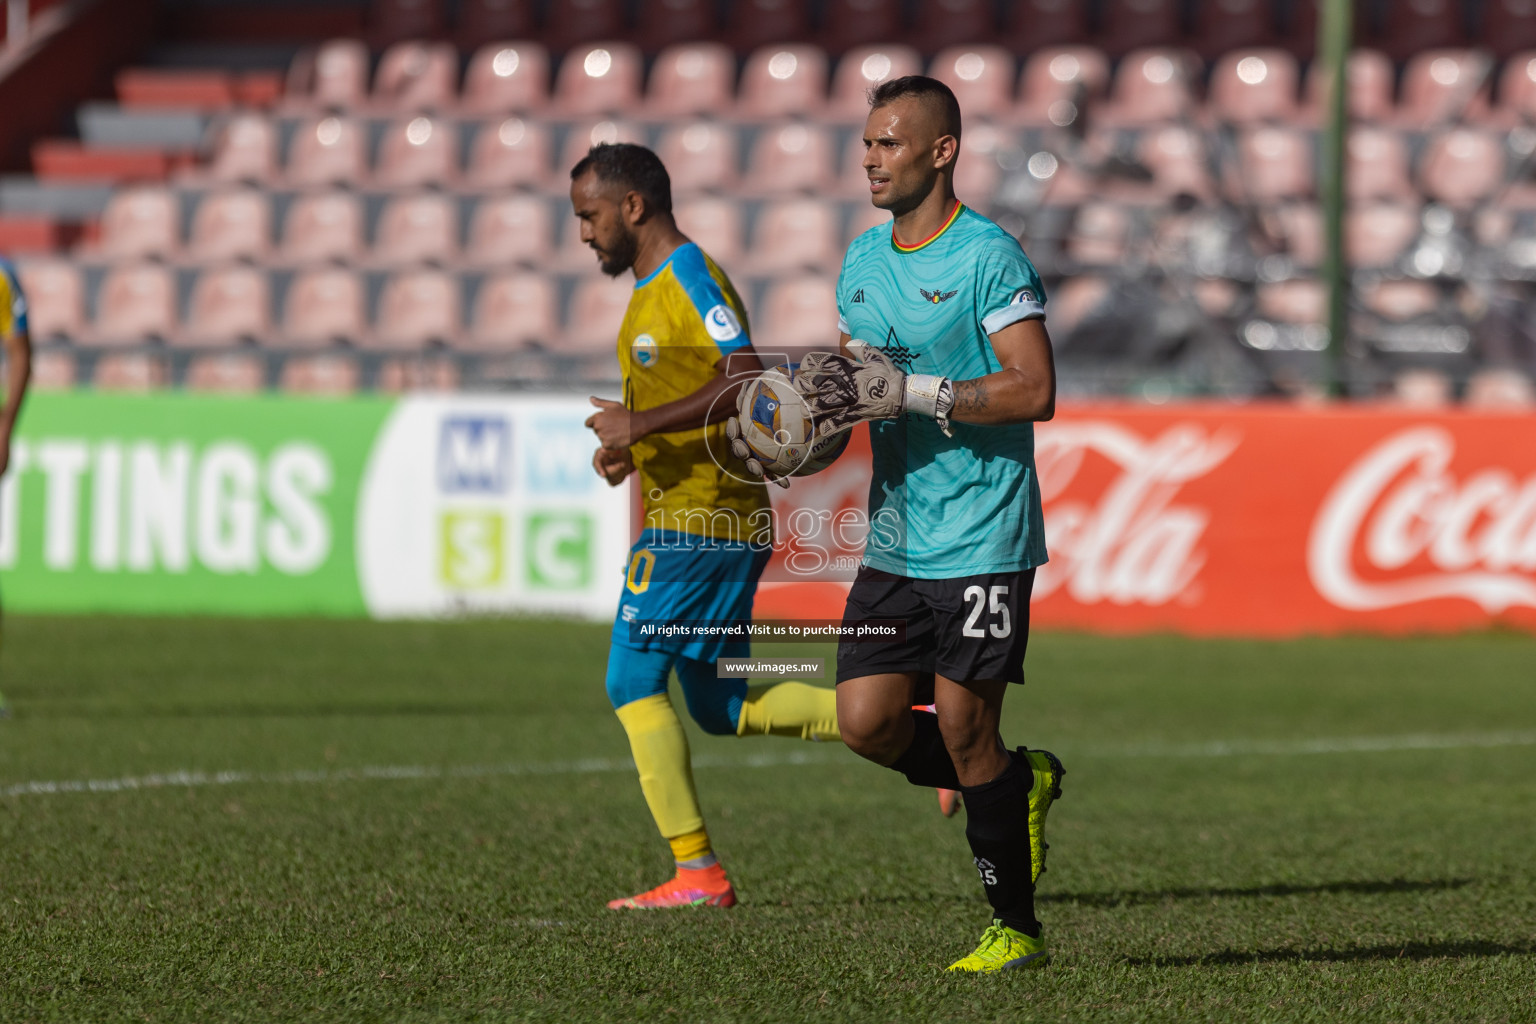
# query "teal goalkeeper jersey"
(945, 507)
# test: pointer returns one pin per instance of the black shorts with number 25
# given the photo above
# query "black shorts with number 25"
(966, 629)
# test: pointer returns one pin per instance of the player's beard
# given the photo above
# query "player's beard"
(620, 254)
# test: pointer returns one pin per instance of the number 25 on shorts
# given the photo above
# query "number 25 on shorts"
(998, 624)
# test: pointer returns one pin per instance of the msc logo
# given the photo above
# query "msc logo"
(558, 550)
(473, 549)
(472, 454)
(556, 456)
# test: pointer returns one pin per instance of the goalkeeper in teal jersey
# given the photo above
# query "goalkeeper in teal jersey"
(944, 353)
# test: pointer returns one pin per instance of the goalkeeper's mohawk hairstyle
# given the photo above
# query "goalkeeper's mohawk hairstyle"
(633, 168)
(929, 90)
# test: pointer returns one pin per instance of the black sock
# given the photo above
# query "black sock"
(927, 762)
(997, 826)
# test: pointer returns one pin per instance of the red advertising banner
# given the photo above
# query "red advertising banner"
(1253, 520)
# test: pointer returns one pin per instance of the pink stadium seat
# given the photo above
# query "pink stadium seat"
(1376, 234)
(1517, 88)
(328, 150)
(1275, 164)
(1099, 234)
(1442, 87)
(55, 298)
(849, 23)
(1462, 167)
(236, 224)
(977, 172)
(692, 78)
(1508, 27)
(1030, 25)
(1500, 388)
(53, 371)
(1075, 298)
(596, 313)
(131, 372)
(798, 312)
(1399, 300)
(244, 149)
(981, 77)
(570, 23)
(483, 22)
(1410, 26)
(141, 221)
(1152, 86)
(583, 137)
(323, 226)
(715, 224)
(1221, 26)
(781, 81)
(417, 228)
(421, 151)
(946, 23)
(320, 375)
(1063, 75)
(418, 308)
(795, 235)
(790, 158)
(229, 305)
(1127, 25)
(1421, 388)
(1297, 301)
(513, 310)
(228, 373)
(510, 231)
(1177, 159)
(417, 76)
(506, 77)
(334, 76)
(1249, 86)
(417, 373)
(323, 307)
(700, 157)
(1300, 227)
(1377, 165)
(513, 154)
(757, 23)
(1371, 81)
(663, 23)
(860, 70)
(865, 217)
(599, 79)
(137, 302)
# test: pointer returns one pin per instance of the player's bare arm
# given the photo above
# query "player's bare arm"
(1023, 391)
(618, 427)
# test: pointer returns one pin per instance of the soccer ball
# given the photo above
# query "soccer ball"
(778, 429)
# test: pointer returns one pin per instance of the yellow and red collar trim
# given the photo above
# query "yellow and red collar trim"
(953, 216)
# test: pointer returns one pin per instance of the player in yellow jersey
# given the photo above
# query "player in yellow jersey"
(684, 349)
(18, 359)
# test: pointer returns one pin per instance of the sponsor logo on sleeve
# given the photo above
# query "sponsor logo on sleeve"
(722, 324)
(1025, 297)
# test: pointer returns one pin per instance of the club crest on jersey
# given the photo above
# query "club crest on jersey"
(721, 323)
(644, 350)
(936, 297)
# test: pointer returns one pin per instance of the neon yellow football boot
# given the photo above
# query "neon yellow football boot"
(1003, 949)
(1046, 790)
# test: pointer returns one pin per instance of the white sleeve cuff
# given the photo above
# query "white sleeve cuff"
(1012, 314)
(842, 325)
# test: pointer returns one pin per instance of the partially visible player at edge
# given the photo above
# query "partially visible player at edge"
(18, 363)
(949, 316)
(684, 351)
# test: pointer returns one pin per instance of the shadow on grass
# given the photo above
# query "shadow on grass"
(1403, 951)
(1129, 899)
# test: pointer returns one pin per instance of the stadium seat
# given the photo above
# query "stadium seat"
(1398, 300)
(137, 302)
(1376, 235)
(504, 78)
(417, 228)
(1221, 26)
(795, 235)
(229, 305)
(324, 307)
(1297, 301)
(484, 22)
(1251, 86)
(513, 154)
(320, 375)
(978, 172)
(1031, 25)
(1128, 25)
(1421, 388)
(692, 78)
(700, 157)
(1500, 388)
(783, 81)
(417, 308)
(599, 79)
(1100, 234)
(849, 23)
(864, 217)
(510, 231)
(1152, 86)
(981, 77)
(1462, 167)
(1371, 82)
(1517, 89)
(582, 137)
(757, 23)
(715, 224)
(131, 372)
(1073, 301)
(514, 310)
(800, 312)
(334, 76)
(1062, 75)
(946, 23)
(323, 226)
(1377, 165)
(596, 313)
(663, 23)
(228, 373)
(244, 149)
(230, 225)
(1508, 29)
(1445, 87)
(421, 151)
(328, 150)
(1275, 164)
(415, 77)
(1412, 26)
(1299, 227)
(55, 294)
(417, 373)
(789, 158)
(141, 221)
(570, 24)
(860, 70)
(1176, 156)
(53, 370)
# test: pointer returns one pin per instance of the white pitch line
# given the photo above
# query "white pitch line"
(598, 765)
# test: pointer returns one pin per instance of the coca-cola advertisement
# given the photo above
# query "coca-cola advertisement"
(1253, 520)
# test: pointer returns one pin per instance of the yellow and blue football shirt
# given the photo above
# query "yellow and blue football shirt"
(13, 304)
(683, 317)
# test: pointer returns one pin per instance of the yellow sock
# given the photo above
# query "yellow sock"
(691, 847)
(789, 709)
(660, 749)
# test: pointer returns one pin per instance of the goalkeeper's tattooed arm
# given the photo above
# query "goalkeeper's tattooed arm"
(1023, 390)
(618, 427)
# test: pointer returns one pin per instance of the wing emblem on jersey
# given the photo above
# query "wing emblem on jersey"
(936, 297)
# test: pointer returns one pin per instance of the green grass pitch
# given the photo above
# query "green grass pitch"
(421, 822)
